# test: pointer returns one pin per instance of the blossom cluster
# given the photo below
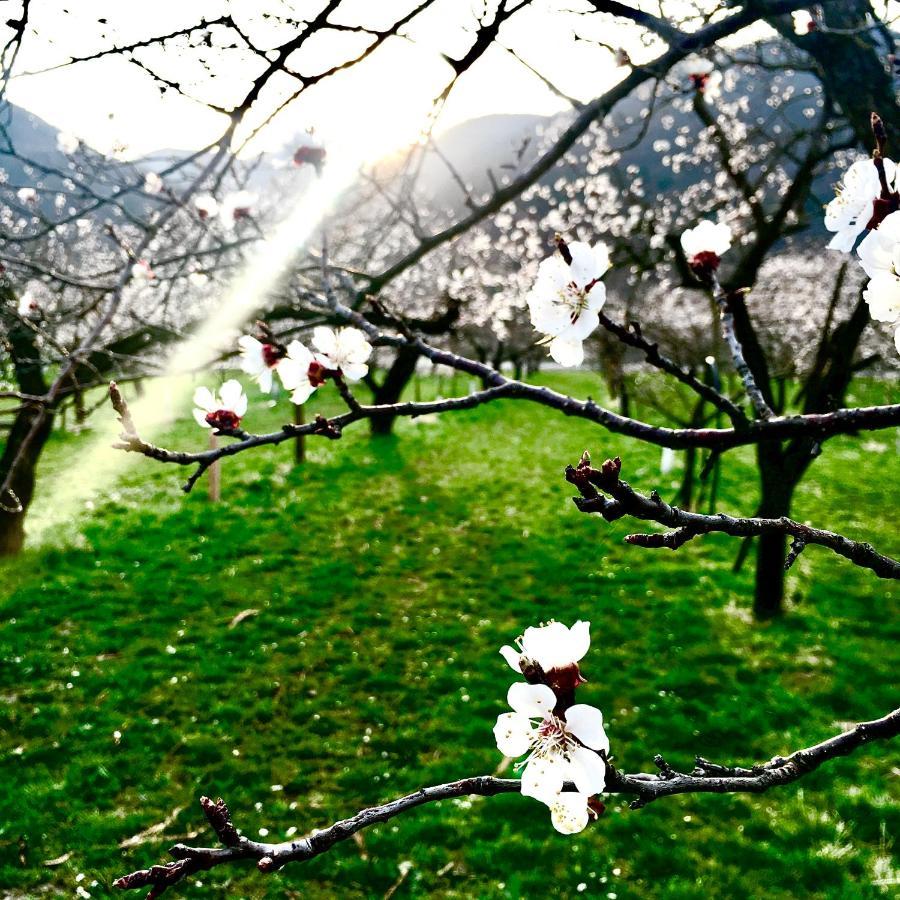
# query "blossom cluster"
(343, 353)
(867, 200)
(564, 743)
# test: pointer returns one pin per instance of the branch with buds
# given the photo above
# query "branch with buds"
(623, 500)
(705, 778)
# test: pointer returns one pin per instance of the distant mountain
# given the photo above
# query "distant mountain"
(482, 150)
(490, 142)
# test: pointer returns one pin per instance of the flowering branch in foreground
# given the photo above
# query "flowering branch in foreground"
(623, 500)
(705, 778)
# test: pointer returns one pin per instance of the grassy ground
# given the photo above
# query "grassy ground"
(385, 575)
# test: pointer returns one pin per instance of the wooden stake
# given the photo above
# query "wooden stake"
(299, 443)
(214, 476)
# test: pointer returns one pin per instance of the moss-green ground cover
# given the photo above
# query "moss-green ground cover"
(386, 574)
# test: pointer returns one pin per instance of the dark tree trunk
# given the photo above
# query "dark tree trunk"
(29, 433)
(852, 60)
(391, 388)
(777, 487)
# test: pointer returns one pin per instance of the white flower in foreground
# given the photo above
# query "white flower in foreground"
(803, 21)
(259, 360)
(26, 195)
(301, 372)
(559, 750)
(198, 278)
(346, 349)
(141, 271)
(567, 296)
(67, 142)
(853, 209)
(153, 184)
(206, 205)
(223, 412)
(237, 206)
(879, 255)
(551, 646)
(704, 246)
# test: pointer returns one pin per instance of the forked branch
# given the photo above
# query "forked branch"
(604, 492)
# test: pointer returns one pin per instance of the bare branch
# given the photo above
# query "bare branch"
(623, 500)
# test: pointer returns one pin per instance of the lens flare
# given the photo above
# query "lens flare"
(97, 465)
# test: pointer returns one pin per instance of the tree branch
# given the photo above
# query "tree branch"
(623, 500)
(705, 778)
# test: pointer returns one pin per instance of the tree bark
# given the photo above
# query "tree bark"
(31, 428)
(771, 549)
(391, 388)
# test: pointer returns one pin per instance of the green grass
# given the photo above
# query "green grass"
(386, 574)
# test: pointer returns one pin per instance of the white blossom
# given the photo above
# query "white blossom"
(28, 305)
(704, 77)
(853, 206)
(259, 360)
(698, 66)
(803, 21)
(309, 151)
(224, 411)
(206, 205)
(141, 271)
(345, 349)
(26, 195)
(67, 142)
(236, 206)
(560, 748)
(879, 255)
(551, 646)
(566, 298)
(301, 371)
(153, 184)
(705, 238)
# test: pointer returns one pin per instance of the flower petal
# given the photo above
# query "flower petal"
(531, 699)
(567, 352)
(513, 734)
(200, 418)
(586, 723)
(325, 340)
(587, 770)
(544, 776)
(579, 640)
(512, 656)
(569, 813)
(230, 393)
(302, 392)
(354, 371)
(203, 397)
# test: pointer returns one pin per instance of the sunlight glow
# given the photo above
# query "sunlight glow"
(98, 465)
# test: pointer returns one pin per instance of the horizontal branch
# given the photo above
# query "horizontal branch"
(705, 778)
(623, 500)
(818, 426)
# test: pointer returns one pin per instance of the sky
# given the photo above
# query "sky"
(112, 102)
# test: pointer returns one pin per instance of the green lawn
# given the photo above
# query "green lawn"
(385, 575)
